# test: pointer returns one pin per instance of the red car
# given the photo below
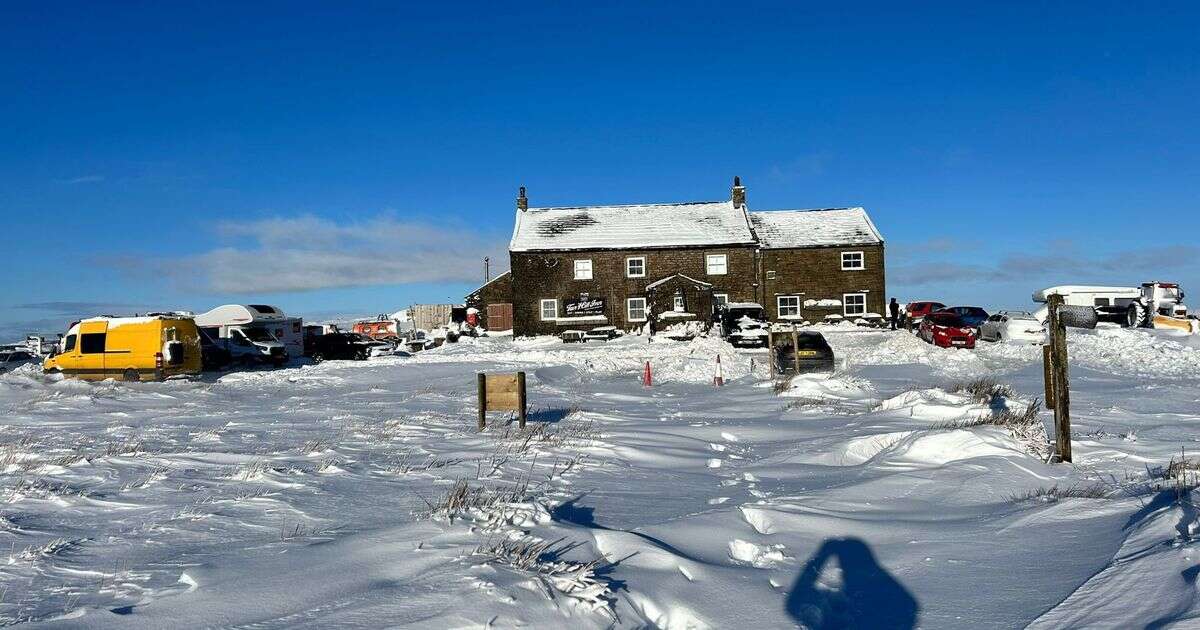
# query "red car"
(948, 330)
(915, 312)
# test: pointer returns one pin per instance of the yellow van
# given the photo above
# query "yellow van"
(154, 347)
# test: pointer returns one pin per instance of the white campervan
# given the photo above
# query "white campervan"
(254, 332)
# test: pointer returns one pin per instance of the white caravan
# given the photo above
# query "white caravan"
(254, 332)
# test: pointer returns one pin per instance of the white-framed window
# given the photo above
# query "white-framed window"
(853, 261)
(716, 264)
(788, 305)
(583, 269)
(635, 267)
(854, 304)
(677, 305)
(770, 274)
(549, 310)
(635, 309)
(720, 298)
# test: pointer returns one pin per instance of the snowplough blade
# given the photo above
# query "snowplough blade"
(1187, 325)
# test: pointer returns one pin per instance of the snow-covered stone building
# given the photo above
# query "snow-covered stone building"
(626, 265)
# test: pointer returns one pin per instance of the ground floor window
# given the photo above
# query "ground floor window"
(788, 305)
(854, 304)
(549, 309)
(635, 309)
(720, 298)
(677, 306)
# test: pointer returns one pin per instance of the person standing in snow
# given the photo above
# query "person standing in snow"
(893, 312)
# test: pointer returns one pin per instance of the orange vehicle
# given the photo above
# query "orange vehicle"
(378, 329)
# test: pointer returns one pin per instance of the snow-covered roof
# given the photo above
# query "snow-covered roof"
(780, 229)
(640, 226)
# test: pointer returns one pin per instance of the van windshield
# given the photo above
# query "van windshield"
(258, 334)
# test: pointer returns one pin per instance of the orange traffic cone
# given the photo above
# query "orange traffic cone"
(646, 380)
(719, 377)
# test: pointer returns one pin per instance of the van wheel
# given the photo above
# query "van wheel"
(131, 376)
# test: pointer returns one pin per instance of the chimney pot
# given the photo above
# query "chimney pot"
(522, 201)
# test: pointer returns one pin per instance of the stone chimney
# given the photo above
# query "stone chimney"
(522, 201)
(739, 193)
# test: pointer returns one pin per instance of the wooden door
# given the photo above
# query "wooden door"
(499, 316)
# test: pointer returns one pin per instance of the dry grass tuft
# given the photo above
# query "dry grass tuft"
(1056, 492)
(985, 391)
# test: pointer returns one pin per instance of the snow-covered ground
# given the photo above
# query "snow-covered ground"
(361, 495)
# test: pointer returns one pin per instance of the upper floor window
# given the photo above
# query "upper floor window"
(770, 274)
(549, 309)
(635, 267)
(854, 304)
(583, 269)
(716, 264)
(853, 261)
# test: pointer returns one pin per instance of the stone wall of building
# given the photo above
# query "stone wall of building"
(817, 274)
(551, 275)
(498, 291)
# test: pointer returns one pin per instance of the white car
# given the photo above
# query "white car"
(1020, 326)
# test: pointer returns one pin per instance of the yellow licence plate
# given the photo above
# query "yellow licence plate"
(807, 353)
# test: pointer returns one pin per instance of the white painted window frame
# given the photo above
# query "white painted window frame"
(846, 304)
(862, 261)
(630, 274)
(629, 309)
(708, 264)
(779, 306)
(718, 297)
(542, 309)
(575, 268)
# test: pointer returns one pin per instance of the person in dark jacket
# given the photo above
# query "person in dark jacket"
(893, 312)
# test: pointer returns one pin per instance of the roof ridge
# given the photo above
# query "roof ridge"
(808, 209)
(633, 205)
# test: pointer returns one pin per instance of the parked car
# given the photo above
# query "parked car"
(947, 329)
(375, 347)
(11, 359)
(915, 312)
(213, 356)
(743, 324)
(811, 353)
(1014, 326)
(338, 345)
(972, 316)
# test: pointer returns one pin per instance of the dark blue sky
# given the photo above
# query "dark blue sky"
(181, 156)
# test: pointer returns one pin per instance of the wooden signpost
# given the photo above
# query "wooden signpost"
(502, 392)
(1054, 368)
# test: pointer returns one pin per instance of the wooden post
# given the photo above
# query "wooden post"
(522, 403)
(795, 351)
(482, 400)
(1048, 375)
(1059, 372)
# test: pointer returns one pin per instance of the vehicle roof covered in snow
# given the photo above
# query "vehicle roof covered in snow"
(1040, 296)
(782, 229)
(641, 225)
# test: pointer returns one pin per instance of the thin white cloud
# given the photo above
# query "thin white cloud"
(308, 253)
(83, 179)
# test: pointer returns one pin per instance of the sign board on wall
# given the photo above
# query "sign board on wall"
(583, 307)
